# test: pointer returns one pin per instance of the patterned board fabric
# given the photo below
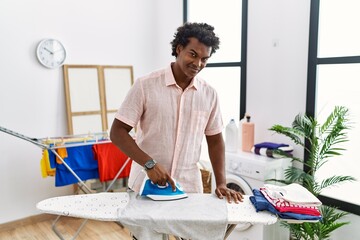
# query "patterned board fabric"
(246, 213)
(97, 206)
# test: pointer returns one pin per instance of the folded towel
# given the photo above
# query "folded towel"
(283, 206)
(273, 153)
(270, 145)
(287, 216)
(261, 204)
(270, 149)
(293, 193)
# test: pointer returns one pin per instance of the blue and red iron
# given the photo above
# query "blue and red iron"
(161, 193)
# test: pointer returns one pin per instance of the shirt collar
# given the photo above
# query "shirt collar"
(170, 79)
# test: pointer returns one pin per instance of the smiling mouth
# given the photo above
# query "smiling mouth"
(195, 70)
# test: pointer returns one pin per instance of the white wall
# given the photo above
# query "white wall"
(134, 33)
(277, 63)
(278, 32)
(32, 99)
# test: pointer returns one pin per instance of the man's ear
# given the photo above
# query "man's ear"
(179, 48)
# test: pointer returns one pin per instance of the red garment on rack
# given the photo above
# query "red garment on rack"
(110, 160)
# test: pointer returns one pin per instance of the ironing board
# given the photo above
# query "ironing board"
(107, 206)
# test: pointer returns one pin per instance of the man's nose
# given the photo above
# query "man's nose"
(198, 62)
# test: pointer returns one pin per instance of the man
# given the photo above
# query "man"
(172, 109)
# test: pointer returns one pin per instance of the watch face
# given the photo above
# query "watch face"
(51, 53)
(150, 164)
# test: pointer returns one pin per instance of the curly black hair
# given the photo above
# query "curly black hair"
(202, 31)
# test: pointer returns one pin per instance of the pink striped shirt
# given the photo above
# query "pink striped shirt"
(170, 124)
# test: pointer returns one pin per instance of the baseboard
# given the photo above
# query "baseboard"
(25, 221)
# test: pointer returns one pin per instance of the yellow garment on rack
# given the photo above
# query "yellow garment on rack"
(45, 167)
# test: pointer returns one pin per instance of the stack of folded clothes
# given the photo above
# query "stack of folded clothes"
(273, 150)
(291, 201)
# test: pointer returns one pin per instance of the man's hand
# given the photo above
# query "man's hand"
(223, 191)
(160, 176)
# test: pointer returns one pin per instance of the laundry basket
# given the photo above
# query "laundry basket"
(206, 179)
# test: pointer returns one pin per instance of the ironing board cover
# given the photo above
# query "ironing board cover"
(109, 206)
(197, 217)
(245, 212)
(96, 206)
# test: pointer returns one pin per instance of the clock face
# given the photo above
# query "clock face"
(51, 53)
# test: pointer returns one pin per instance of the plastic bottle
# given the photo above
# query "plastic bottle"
(231, 137)
(248, 130)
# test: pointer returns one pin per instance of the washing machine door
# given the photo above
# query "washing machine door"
(239, 184)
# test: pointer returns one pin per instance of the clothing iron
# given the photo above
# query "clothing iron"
(161, 193)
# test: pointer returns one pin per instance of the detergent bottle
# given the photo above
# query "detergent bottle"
(248, 131)
(231, 137)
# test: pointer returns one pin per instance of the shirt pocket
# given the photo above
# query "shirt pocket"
(198, 122)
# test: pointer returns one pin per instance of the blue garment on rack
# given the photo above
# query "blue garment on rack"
(260, 203)
(81, 160)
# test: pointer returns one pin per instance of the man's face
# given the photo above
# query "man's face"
(192, 58)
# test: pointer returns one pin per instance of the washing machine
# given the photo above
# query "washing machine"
(244, 172)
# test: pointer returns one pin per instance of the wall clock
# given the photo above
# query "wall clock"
(51, 53)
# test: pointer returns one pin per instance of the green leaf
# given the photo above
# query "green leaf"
(324, 142)
(334, 180)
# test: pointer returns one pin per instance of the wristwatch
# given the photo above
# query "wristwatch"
(150, 164)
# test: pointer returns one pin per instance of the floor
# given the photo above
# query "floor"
(93, 230)
(67, 226)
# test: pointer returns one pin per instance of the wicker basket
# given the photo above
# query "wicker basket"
(206, 179)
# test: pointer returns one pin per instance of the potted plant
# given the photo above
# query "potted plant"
(322, 142)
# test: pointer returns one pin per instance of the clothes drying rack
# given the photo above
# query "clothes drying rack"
(68, 141)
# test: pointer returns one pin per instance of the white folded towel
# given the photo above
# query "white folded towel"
(293, 193)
